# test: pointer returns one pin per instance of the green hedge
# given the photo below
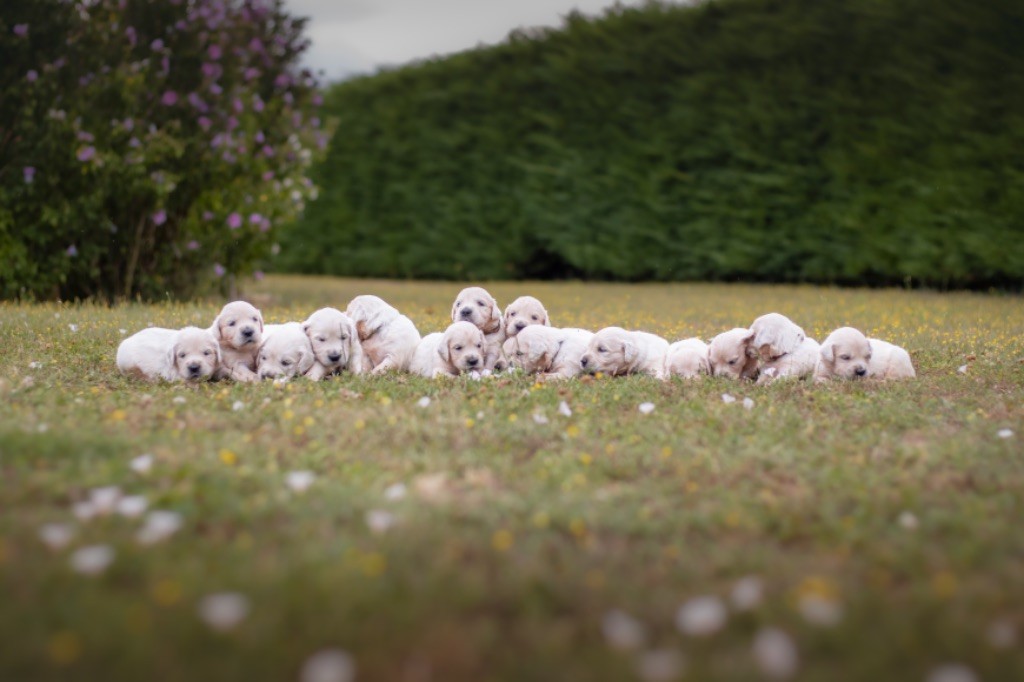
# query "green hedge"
(850, 141)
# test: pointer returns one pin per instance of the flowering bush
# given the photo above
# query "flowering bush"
(148, 147)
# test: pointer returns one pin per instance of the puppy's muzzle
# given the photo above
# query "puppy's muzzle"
(584, 361)
(520, 326)
(860, 371)
(247, 333)
(466, 312)
(334, 357)
(268, 374)
(472, 361)
(194, 368)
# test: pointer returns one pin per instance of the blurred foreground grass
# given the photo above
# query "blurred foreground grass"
(882, 522)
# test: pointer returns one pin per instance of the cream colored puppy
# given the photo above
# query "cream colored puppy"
(776, 335)
(549, 352)
(731, 354)
(460, 348)
(189, 354)
(476, 306)
(617, 351)
(799, 364)
(388, 337)
(522, 313)
(239, 329)
(848, 354)
(285, 352)
(335, 342)
(687, 358)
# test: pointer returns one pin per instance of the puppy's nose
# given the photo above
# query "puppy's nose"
(247, 332)
(584, 360)
(334, 357)
(520, 326)
(860, 371)
(194, 367)
(466, 312)
(472, 360)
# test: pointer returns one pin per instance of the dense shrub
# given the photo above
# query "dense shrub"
(147, 147)
(857, 141)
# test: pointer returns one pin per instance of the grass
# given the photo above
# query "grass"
(517, 537)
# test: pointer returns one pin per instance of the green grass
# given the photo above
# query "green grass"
(505, 569)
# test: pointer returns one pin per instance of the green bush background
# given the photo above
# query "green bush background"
(848, 141)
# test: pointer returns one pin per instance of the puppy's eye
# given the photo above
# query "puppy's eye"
(733, 361)
(601, 349)
(458, 347)
(533, 317)
(512, 314)
(263, 357)
(320, 339)
(285, 363)
(479, 345)
(181, 355)
(343, 337)
(255, 319)
(481, 304)
(519, 353)
(844, 357)
(231, 323)
(867, 357)
(206, 352)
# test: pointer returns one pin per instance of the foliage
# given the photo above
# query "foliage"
(147, 147)
(857, 141)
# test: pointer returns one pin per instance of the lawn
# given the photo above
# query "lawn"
(488, 536)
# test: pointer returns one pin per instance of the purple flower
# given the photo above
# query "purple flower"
(288, 98)
(219, 269)
(283, 80)
(207, 215)
(180, 24)
(268, 176)
(165, 66)
(85, 137)
(232, 122)
(196, 101)
(238, 106)
(32, 76)
(129, 124)
(259, 137)
(315, 121)
(228, 157)
(21, 30)
(134, 143)
(86, 153)
(257, 103)
(192, 245)
(204, 122)
(268, 151)
(215, 89)
(211, 70)
(156, 45)
(235, 221)
(255, 218)
(214, 52)
(170, 98)
(30, 174)
(255, 45)
(71, 251)
(251, 72)
(317, 100)
(132, 37)
(264, 225)
(258, 275)
(160, 217)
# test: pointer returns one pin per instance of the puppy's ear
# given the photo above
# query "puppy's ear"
(217, 328)
(504, 316)
(704, 365)
(172, 355)
(629, 352)
(547, 320)
(537, 352)
(455, 309)
(494, 322)
(305, 328)
(259, 319)
(828, 352)
(444, 352)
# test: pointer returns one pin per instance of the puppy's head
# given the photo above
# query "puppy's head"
(195, 354)
(331, 334)
(688, 359)
(285, 353)
(476, 306)
(239, 325)
(462, 347)
(846, 353)
(370, 313)
(523, 312)
(611, 350)
(731, 354)
(531, 350)
(775, 335)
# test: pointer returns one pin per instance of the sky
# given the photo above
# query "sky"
(356, 36)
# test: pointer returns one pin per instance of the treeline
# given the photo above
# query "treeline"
(847, 141)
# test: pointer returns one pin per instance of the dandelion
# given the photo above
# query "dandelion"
(379, 521)
(56, 536)
(622, 631)
(775, 653)
(646, 408)
(328, 665)
(564, 410)
(142, 464)
(223, 611)
(660, 665)
(300, 481)
(92, 560)
(701, 616)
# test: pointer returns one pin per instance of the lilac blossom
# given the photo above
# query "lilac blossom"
(192, 245)
(219, 269)
(257, 104)
(160, 217)
(86, 154)
(214, 52)
(251, 73)
(169, 98)
(29, 172)
(204, 122)
(235, 221)
(32, 76)
(255, 218)
(156, 45)
(21, 30)
(71, 251)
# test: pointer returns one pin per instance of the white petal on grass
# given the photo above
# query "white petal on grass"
(646, 408)
(132, 506)
(539, 418)
(727, 398)
(908, 520)
(1005, 433)
(564, 409)
(776, 654)
(122, 332)
(622, 631)
(424, 401)
(952, 672)
(747, 593)
(380, 521)
(223, 611)
(329, 665)
(1001, 634)
(748, 403)
(701, 616)
(395, 491)
(43, 428)
(821, 611)
(92, 560)
(73, 327)
(83, 511)
(475, 376)
(35, 365)
(962, 369)
(159, 526)
(179, 400)
(56, 535)
(142, 464)
(104, 500)
(660, 665)
(300, 481)
(237, 406)
(770, 372)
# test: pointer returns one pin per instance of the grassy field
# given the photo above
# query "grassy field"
(878, 526)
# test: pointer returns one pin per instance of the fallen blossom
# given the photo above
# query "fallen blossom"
(56, 535)
(92, 560)
(660, 665)
(83, 511)
(564, 410)
(1001, 634)
(132, 506)
(646, 408)
(622, 631)
(962, 369)
(701, 616)
(159, 526)
(539, 418)
(424, 401)
(1005, 433)
(142, 464)
(748, 403)
(775, 653)
(328, 665)
(237, 406)
(908, 520)
(223, 611)
(104, 500)
(379, 521)
(726, 398)
(747, 593)
(299, 481)
(395, 491)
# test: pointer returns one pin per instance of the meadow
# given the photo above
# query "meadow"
(507, 530)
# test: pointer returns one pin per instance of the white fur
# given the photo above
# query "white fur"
(239, 330)
(460, 348)
(168, 354)
(523, 312)
(775, 335)
(617, 351)
(335, 343)
(731, 354)
(477, 306)
(687, 358)
(797, 364)
(549, 352)
(285, 352)
(848, 354)
(388, 338)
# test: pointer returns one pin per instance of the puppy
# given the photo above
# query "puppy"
(687, 358)
(459, 349)
(189, 354)
(388, 338)
(617, 352)
(476, 306)
(335, 343)
(549, 352)
(848, 354)
(523, 312)
(782, 348)
(239, 329)
(285, 353)
(798, 364)
(731, 354)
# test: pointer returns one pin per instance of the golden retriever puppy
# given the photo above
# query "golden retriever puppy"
(285, 352)
(731, 354)
(617, 351)
(239, 329)
(189, 354)
(799, 364)
(687, 358)
(388, 337)
(776, 335)
(460, 348)
(522, 313)
(549, 352)
(335, 342)
(848, 354)
(476, 306)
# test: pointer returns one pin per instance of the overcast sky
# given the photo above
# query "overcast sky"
(356, 36)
